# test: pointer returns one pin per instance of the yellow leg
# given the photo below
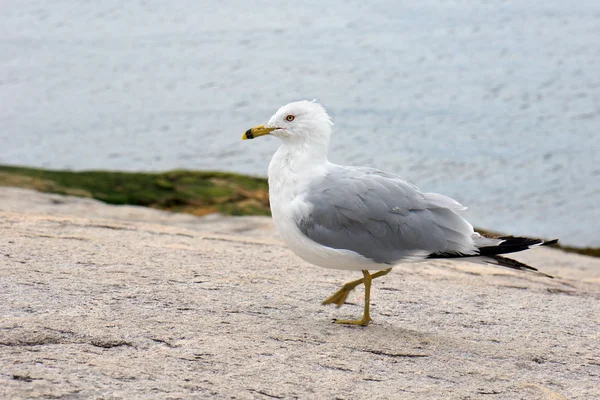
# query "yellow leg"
(339, 297)
(366, 316)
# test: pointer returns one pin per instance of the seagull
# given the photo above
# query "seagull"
(363, 219)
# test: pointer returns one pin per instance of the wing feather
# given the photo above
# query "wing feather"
(382, 217)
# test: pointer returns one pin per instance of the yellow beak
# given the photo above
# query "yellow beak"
(256, 132)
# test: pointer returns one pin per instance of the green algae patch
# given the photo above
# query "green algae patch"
(194, 192)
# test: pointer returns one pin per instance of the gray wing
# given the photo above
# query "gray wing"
(382, 217)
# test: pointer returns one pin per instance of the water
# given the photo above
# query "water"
(494, 103)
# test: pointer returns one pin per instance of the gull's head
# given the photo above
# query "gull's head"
(299, 122)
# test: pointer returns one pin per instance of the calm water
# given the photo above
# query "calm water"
(494, 103)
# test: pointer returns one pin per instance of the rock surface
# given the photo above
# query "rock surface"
(108, 302)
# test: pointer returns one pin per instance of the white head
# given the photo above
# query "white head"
(301, 123)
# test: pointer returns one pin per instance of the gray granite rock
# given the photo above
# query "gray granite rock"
(108, 302)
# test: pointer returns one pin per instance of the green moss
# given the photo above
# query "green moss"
(186, 191)
(194, 192)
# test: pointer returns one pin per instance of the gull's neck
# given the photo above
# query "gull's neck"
(294, 164)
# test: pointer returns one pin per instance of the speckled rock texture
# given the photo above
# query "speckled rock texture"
(107, 302)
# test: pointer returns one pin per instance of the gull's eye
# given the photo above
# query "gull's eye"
(290, 118)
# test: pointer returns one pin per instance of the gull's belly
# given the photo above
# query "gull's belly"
(285, 183)
(313, 252)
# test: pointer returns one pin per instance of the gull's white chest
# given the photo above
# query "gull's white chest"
(286, 187)
(285, 183)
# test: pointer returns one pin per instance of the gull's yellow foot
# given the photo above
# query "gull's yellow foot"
(361, 322)
(339, 297)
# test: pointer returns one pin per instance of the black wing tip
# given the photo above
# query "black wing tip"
(550, 242)
(513, 244)
(514, 264)
(500, 260)
(451, 255)
(519, 240)
(522, 239)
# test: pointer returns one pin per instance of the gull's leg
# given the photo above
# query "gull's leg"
(366, 316)
(339, 297)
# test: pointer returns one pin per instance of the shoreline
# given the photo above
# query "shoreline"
(184, 191)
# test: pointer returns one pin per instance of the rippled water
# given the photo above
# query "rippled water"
(494, 103)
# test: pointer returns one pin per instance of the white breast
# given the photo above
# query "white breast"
(284, 185)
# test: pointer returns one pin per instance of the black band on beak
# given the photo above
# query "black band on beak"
(249, 134)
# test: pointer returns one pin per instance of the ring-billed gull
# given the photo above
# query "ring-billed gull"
(362, 219)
